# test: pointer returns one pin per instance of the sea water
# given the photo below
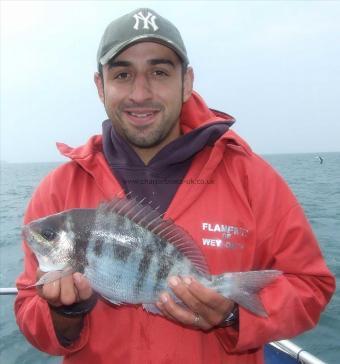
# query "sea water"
(316, 185)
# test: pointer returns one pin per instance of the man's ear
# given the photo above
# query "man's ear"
(98, 80)
(188, 83)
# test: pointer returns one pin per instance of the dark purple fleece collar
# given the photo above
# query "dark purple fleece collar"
(158, 181)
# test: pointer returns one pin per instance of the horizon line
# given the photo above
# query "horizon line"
(65, 160)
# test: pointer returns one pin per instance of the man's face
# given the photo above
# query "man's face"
(143, 90)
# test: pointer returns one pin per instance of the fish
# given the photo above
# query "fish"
(128, 252)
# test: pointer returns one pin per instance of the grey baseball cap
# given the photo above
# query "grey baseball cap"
(141, 25)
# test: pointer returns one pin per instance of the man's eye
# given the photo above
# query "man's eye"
(159, 73)
(122, 76)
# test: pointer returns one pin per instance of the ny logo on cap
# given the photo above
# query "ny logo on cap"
(148, 20)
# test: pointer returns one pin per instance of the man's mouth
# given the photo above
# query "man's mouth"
(140, 115)
(141, 118)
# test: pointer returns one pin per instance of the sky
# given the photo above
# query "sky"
(273, 65)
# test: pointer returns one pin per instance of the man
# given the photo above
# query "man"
(161, 142)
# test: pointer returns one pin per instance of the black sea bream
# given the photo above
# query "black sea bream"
(128, 252)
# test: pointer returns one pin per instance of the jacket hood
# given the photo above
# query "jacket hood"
(195, 113)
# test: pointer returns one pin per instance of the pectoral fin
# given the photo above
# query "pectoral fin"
(51, 276)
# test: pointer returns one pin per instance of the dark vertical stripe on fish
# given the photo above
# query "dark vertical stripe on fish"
(176, 254)
(81, 223)
(79, 259)
(160, 244)
(165, 266)
(98, 246)
(122, 252)
(144, 266)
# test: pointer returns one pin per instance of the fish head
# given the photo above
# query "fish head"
(52, 241)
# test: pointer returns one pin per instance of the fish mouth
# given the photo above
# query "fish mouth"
(38, 246)
(29, 234)
(25, 232)
(32, 238)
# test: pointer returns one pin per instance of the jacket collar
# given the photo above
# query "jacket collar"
(195, 113)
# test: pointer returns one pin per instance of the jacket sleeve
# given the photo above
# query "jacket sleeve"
(285, 241)
(32, 312)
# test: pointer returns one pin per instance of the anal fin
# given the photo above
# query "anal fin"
(152, 308)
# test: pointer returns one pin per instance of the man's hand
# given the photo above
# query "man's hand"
(66, 290)
(206, 308)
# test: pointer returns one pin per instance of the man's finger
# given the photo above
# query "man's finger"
(180, 314)
(196, 299)
(208, 296)
(170, 308)
(83, 286)
(183, 293)
(207, 303)
(51, 292)
(164, 312)
(67, 291)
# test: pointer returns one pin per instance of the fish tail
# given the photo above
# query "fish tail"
(243, 287)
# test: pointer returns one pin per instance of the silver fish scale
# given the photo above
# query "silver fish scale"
(127, 263)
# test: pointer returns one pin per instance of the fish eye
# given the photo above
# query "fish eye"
(48, 234)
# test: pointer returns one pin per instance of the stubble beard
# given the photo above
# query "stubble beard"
(151, 138)
(148, 136)
(144, 138)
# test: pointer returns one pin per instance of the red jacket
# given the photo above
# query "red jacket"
(242, 215)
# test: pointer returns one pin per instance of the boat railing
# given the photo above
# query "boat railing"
(300, 355)
(8, 291)
(288, 347)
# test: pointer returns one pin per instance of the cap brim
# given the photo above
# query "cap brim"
(114, 51)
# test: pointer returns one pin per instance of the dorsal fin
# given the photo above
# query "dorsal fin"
(147, 217)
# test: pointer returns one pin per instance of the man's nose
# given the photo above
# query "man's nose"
(141, 89)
